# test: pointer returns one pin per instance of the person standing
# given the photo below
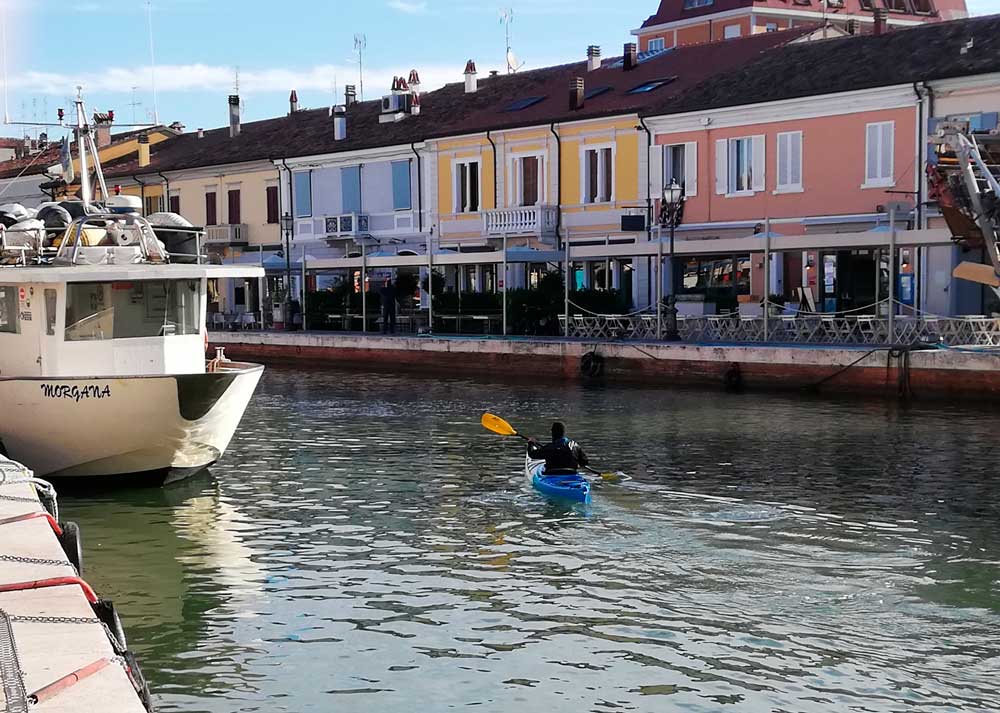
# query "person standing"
(388, 295)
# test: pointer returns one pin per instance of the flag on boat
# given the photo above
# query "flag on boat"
(66, 159)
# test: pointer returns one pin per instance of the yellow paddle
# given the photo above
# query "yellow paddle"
(496, 424)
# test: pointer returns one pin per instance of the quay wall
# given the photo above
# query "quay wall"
(932, 373)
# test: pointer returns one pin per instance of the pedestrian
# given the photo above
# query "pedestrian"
(388, 295)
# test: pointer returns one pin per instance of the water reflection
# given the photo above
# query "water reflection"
(366, 546)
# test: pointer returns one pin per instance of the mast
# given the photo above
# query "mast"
(82, 134)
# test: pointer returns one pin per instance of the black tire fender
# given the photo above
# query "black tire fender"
(71, 545)
(104, 610)
(732, 379)
(592, 365)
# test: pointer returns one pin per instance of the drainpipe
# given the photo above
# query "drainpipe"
(142, 193)
(166, 182)
(287, 246)
(552, 128)
(420, 190)
(921, 143)
(649, 199)
(496, 187)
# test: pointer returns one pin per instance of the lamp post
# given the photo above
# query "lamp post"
(671, 213)
(287, 225)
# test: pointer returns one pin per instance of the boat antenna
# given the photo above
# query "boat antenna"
(152, 58)
(360, 43)
(82, 130)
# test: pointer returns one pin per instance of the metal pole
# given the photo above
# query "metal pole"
(504, 284)
(892, 274)
(566, 290)
(288, 280)
(303, 288)
(261, 284)
(430, 284)
(659, 282)
(364, 289)
(767, 274)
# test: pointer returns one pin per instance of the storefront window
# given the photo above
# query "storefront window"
(129, 310)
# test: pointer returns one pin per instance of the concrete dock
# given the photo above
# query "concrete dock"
(56, 656)
(828, 369)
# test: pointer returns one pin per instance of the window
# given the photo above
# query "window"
(789, 161)
(234, 206)
(675, 162)
(596, 92)
(598, 175)
(650, 86)
(673, 165)
(133, 309)
(271, 193)
(526, 180)
(657, 44)
(466, 187)
(211, 218)
(523, 103)
(402, 198)
(8, 309)
(896, 5)
(691, 4)
(739, 165)
(303, 194)
(175, 204)
(878, 153)
(771, 27)
(923, 7)
(154, 204)
(50, 312)
(350, 189)
(731, 32)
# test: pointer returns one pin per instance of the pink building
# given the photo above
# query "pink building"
(684, 22)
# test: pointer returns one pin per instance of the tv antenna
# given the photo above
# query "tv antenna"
(152, 57)
(360, 43)
(134, 103)
(506, 18)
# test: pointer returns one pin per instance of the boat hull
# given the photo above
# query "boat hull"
(141, 429)
(571, 486)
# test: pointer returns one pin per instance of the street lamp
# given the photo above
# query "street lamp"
(287, 225)
(671, 213)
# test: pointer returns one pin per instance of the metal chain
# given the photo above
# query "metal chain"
(55, 619)
(36, 560)
(18, 499)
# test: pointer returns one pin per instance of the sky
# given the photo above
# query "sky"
(272, 46)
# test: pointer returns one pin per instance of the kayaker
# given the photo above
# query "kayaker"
(562, 455)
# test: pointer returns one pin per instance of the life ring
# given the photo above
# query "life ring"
(105, 611)
(70, 542)
(732, 379)
(592, 365)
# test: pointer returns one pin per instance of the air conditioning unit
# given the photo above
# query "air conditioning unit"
(346, 225)
(392, 103)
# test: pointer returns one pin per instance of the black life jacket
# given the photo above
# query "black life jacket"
(560, 457)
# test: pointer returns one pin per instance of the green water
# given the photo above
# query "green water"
(366, 546)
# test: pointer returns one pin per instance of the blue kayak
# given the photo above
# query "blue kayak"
(565, 486)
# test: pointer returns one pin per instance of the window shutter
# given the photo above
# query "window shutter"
(656, 158)
(784, 155)
(871, 153)
(758, 163)
(885, 148)
(691, 168)
(721, 166)
(795, 159)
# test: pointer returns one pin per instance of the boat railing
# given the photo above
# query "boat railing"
(114, 230)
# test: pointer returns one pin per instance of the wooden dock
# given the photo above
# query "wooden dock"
(56, 655)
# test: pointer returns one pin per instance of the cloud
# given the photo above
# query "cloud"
(410, 8)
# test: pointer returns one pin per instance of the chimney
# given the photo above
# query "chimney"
(177, 126)
(234, 116)
(631, 59)
(471, 85)
(43, 141)
(350, 95)
(102, 128)
(880, 14)
(339, 114)
(494, 73)
(143, 150)
(414, 81)
(852, 27)
(201, 133)
(293, 102)
(575, 93)
(593, 58)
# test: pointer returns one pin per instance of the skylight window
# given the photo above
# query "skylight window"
(596, 92)
(651, 85)
(523, 103)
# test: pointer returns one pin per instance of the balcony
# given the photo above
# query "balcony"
(237, 234)
(536, 220)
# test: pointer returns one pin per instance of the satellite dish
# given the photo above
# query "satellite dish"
(512, 64)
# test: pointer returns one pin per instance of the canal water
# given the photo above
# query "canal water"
(367, 546)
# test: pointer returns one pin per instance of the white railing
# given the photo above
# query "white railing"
(226, 234)
(951, 331)
(538, 220)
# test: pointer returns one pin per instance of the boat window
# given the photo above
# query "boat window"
(50, 312)
(128, 310)
(8, 309)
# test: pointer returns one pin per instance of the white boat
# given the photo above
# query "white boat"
(103, 371)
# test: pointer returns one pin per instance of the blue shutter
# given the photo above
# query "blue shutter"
(303, 194)
(350, 186)
(401, 199)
